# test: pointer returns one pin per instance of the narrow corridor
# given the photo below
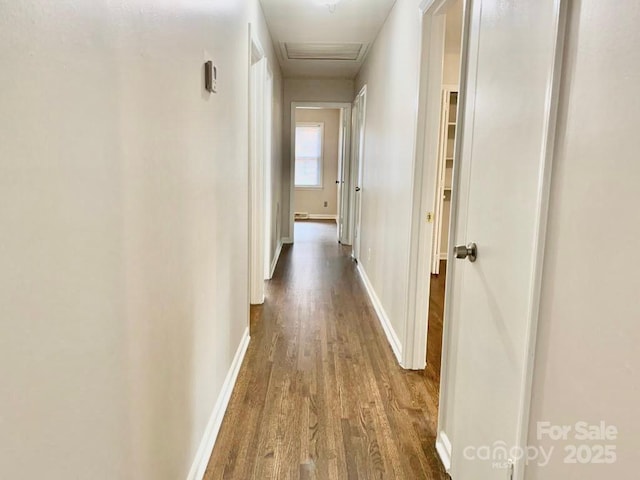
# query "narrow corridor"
(320, 394)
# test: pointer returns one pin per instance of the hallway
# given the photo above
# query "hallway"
(320, 394)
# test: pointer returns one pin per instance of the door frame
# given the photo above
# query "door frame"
(345, 153)
(421, 243)
(260, 137)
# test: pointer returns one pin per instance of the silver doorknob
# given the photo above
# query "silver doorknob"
(470, 252)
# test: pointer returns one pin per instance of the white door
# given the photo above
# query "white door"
(257, 78)
(359, 112)
(340, 177)
(507, 110)
(269, 217)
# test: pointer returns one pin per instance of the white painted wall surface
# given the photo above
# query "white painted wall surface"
(123, 293)
(311, 200)
(305, 90)
(587, 366)
(451, 69)
(452, 44)
(391, 75)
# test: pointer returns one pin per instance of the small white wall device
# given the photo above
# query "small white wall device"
(210, 77)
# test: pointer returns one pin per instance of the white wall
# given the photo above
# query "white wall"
(587, 353)
(452, 44)
(391, 75)
(451, 69)
(123, 293)
(311, 200)
(305, 90)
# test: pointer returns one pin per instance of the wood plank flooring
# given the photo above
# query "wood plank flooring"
(436, 314)
(320, 394)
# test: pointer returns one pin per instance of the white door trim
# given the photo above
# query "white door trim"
(345, 174)
(542, 216)
(424, 187)
(431, 58)
(258, 156)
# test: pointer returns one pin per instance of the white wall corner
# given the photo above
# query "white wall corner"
(443, 447)
(392, 337)
(205, 449)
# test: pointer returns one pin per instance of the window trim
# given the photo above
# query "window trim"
(320, 185)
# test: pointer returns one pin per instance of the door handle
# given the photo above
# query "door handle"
(358, 189)
(469, 252)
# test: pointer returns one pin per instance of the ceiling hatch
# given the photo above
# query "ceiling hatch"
(323, 51)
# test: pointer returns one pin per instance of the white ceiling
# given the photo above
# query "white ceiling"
(310, 21)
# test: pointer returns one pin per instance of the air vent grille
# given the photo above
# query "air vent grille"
(323, 51)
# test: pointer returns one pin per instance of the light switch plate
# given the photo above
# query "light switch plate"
(211, 77)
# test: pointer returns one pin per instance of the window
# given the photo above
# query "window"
(309, 137)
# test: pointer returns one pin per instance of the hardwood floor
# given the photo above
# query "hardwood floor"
(320, 394)
(436, 315)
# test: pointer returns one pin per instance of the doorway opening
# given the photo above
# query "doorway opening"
(499, 176)
(443, 185)
(317, 155)
(442, 90)
(320, 166)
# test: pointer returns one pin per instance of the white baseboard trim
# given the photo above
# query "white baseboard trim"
(287, 241)
(276, 257)
(199, 465)
(392, 337)
(320, 216)
(443, 447)
(444, 256)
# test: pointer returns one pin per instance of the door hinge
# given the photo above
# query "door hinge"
(429, 217)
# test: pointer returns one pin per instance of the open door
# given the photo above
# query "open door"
(357, 157)
(505, 144)
(342, 175)
(259, 135)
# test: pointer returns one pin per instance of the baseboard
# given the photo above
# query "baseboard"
(205, 449)
(320, 216)
(287, 241)
(276, 257)
(443, 447)
(392, 337)
(444, 256)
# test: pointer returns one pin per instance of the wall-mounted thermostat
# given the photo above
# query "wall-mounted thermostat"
(210, 77)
